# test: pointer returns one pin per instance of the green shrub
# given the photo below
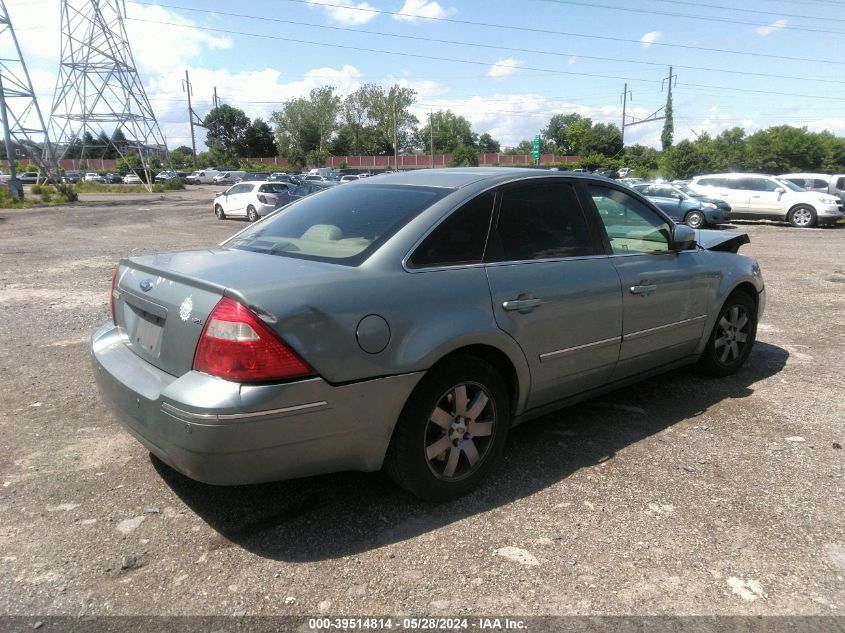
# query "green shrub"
(46, 195)
(66, 193)
(7, 200)
(37, 189)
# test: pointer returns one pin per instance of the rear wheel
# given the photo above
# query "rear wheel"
(695, 219)
(218, 211)
(451, 432)
(732, 338)
(803, 216)
(251, 213)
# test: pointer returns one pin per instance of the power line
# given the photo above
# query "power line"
(526, 29)
(496, 46)
(554, 71)
(701, 5)
(673, 14)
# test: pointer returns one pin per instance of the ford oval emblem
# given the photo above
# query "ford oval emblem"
(147, 285)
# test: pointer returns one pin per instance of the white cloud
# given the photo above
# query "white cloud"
(346, 11)
(504, 67)
(777, 25)
(649, 38)
(184, 43)
(416, 9)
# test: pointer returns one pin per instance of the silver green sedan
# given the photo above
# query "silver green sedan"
(408, 322)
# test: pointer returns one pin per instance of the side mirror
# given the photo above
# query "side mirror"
(683, 238)
(780, 190)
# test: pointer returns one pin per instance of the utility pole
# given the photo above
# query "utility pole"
(216, 101)
(431, 131)
(625, 94)
(395, 139)
(188, 89)
(14, 185)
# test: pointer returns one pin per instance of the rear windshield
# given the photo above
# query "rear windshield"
(343, 225)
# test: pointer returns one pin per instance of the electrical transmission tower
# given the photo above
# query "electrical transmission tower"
(98, 86)
(23, 125)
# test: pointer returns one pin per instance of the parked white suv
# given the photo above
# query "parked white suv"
(759, 197)
(250, 199)
(823, 183)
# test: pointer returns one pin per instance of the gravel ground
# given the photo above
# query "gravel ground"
(680, 495)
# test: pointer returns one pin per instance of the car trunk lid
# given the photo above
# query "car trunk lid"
(162, 302)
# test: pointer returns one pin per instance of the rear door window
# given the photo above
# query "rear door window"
(541, 221)
(460, 238)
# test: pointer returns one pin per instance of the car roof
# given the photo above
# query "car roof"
(804, 175)
(734, 174)
(458, 177)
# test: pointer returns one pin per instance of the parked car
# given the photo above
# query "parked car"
(696, 211)
(29, 177)
(761, 197)
(822, 183)
(132, 179)
(112, 178)
(93, 176)
(283, 177)
(408, 321)
(250, 199)
(167, 174)
(307, 188)
(71, 177)
(349, 178)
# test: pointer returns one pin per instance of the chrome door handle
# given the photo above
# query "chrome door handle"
(521, 304)
(642, 290)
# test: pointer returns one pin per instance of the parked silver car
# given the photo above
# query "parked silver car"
(408, 321)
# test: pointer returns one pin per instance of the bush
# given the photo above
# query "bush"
(7, 200)
(38, 189)
(66, 192)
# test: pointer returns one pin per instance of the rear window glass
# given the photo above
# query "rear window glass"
(343, 225)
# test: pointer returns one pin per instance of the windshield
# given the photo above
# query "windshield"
(791, 185)
(687, 190)
(343, 225)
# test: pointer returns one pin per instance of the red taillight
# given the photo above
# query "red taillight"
(111, 295)
(236, 345)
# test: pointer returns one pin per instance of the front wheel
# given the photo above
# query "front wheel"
(218, 211)
(251, 213)
(451, 432)
(732, 337)
(695, 219)
(803, 216)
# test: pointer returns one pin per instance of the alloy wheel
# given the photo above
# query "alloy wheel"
(732, 335)
(459, 432)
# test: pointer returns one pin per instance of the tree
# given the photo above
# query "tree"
(488, 144)
(560, 130)
(118, 141)
(227, 128)
(182, 157)
(602, 138)
(389, 112)
(450, 131)
(259, 140)
(296, 131)
(464, 156)
(324, 110)
(668, 124)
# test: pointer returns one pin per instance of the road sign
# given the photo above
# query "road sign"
(536, 153)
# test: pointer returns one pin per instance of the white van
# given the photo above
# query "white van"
(229, 177)
(202, 177)
(326, 172)
(762, 197)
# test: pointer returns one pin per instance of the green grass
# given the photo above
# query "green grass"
(96, 187)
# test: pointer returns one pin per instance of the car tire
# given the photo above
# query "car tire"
(452, 430)
(732, 337)
(802, 216)
(251, 213)
(695, 220)
(218, 211)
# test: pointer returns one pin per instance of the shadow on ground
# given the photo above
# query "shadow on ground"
(337, 515)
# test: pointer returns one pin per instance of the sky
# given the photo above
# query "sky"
(507, 66)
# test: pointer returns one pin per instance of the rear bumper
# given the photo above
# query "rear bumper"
(225, 433)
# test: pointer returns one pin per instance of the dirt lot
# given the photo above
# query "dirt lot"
(680, 495)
